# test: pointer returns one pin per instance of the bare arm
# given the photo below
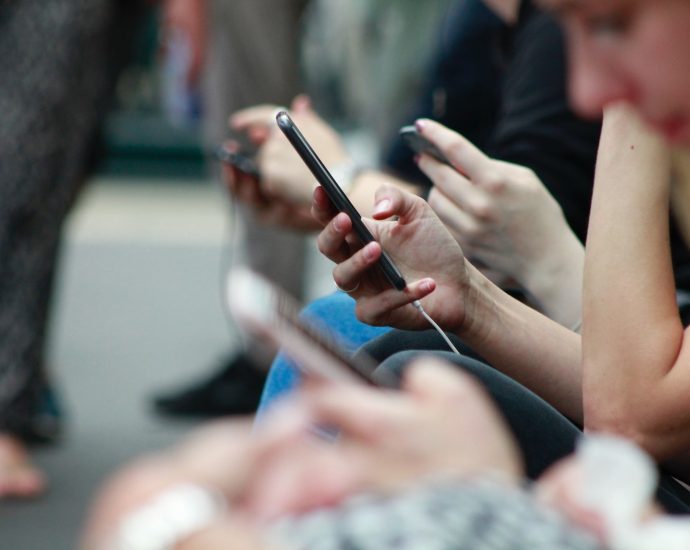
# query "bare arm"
(636, 360)
(504, 218)
(526, 345)
(286, 183)
(516, 339)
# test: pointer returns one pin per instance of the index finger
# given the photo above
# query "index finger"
(322, 208)
(263, 115)
(462, 153)
(359, 412)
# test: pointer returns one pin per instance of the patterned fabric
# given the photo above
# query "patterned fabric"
(53, 84)
(475, 515)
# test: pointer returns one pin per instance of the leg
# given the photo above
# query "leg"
(399, 340)
(543, 433)
(252, 58)
(54, 98)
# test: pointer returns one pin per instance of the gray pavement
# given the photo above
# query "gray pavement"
(137, 311)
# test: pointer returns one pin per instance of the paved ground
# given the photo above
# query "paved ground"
(137, 311)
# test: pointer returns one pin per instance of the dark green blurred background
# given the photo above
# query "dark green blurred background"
(139, 140)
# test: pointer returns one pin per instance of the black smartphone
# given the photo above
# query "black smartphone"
(336, 194)
(421, 145)
(271, 316)
(241, 160)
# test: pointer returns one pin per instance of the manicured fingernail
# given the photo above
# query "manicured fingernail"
(427, 285)
(382, 206)
(420, 124)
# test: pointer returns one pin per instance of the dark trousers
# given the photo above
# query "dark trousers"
(543, 434)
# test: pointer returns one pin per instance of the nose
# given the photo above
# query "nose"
(595, 80)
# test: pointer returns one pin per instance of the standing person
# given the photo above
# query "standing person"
(243, 52)
(57, 69)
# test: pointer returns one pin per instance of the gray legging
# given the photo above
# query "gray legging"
(543, 433)
(54, 73)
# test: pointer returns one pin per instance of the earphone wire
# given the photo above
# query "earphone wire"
(438, 329)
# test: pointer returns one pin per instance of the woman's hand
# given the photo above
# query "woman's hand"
(262, 474)
(284, 176)
(218, 457)
(505, 219)
(418, 243)
(270, 210)
(441, 424)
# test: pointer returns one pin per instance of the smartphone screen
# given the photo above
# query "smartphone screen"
(336, 194)
(272, 316)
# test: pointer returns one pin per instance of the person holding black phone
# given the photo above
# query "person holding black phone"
(241, 52)
(518, 55)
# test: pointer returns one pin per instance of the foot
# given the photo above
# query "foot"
(18, 477)
(232, 390)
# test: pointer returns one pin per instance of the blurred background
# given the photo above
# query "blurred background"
(136, 301)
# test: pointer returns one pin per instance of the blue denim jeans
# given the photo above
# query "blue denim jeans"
(335, 312)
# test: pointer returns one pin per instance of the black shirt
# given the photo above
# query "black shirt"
(505, 89)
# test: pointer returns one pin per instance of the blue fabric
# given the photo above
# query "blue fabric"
(335, 313)
(463, 83)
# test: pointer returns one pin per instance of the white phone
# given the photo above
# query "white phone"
(271, 316)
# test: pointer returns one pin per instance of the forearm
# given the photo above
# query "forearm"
(554, 281)
(632, 335)
(529, 347)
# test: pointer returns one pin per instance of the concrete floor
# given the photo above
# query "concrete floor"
(137, 311)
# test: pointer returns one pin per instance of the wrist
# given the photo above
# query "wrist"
(169, 518)
(554, 282)
(346, 172)
(479, 306)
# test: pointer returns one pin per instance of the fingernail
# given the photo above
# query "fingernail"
(420, 124)
(382, 206)
(369, 252)
(338, 224)
(417, 158)
(427, 285)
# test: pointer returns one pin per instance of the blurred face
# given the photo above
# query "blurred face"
(634, 50)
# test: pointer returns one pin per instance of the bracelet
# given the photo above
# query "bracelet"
(168, 518)
(345, 173)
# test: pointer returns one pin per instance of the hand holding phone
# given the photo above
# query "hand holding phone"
(336, 194)
(240, 160)
(272, 316)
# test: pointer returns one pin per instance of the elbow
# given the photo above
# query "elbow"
(661, 436)
(620, 417)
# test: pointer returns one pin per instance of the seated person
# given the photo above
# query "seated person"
(523, 239)
(633, 368)
(432, 466)
(541, 133)
(532, 350)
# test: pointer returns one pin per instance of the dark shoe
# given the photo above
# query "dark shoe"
(233, 390)
(39, 418)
